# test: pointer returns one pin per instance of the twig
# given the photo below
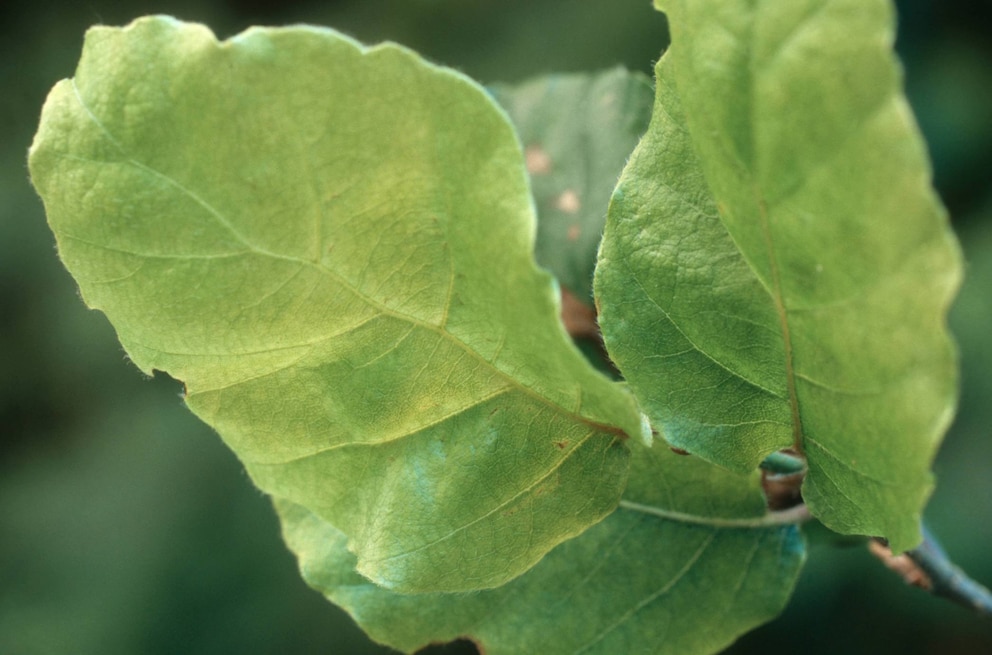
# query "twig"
(949, 581)
(927, 566)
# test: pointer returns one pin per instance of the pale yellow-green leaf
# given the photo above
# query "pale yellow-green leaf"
(331, 246)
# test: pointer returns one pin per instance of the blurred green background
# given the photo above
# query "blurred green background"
(125, 525)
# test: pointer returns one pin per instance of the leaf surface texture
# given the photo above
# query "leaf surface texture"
(776, 267)
(331, 246)
(685, 565)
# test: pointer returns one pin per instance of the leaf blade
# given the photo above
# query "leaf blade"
(348, 293)
(820, 265)
(636, 582)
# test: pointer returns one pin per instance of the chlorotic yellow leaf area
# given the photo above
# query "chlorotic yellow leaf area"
(331, 246)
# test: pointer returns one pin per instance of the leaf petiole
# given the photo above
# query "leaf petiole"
(792, 516)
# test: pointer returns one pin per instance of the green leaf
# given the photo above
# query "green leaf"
(331, 246)
(578, 131)
(685, 565)
(776, 268)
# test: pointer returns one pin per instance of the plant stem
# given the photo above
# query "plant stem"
(949, 581)
(928, 567)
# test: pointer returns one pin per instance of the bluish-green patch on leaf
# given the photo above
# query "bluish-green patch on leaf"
(776, 268)
(577, 131)
(689, 562)
(331, 246)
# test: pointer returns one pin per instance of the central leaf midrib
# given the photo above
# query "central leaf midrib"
(762, 210)
(751, 162)
(774, 286)
(385, 310)
(783, 317)
(382, 308)
(774, 289)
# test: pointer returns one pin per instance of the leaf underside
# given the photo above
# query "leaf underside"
(686, 580)
(331, 246)
(776, 268)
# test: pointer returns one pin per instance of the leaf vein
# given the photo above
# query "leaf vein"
(696, 347)
(509, 501)
(376, 304)
(667, 587)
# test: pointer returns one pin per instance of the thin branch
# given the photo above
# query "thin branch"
(948, 580)
(928, 567)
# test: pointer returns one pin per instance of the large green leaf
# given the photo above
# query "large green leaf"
(578, 131)
(687, 563)
(331, 247)
(776, 268)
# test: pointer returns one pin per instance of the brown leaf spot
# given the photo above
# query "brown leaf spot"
(561, 444)
(568, 202)
(538, 161)
(678, 451)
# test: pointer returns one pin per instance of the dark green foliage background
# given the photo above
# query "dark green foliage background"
(125, 525)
